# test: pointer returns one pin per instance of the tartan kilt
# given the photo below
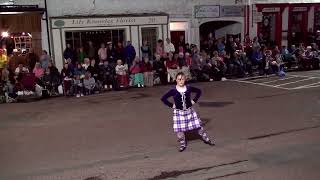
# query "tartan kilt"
(185, 120)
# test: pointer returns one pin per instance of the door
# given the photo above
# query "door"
(298, 27)
(175, 37)
(150, 35)
(270, 27)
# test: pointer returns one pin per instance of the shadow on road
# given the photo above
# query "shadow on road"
(215, 104)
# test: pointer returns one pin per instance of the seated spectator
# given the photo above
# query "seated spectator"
(78, 86)
(66, 76)
(79, 71)
(160, 70)
(147, 70)
(50, 83)
(122, 74)
(86, 63)
(89, 84)
(237, 65)
(93, 69)
(38, 71)
(257, 59)
(107, 74)
(21, 69)
(172, 67)
(218, 67)
(135, 70)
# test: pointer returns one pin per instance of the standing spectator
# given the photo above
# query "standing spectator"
(168, 46)
(147, 72)
(102, 53)
(91, 50)
(159, 48)
(129, 53)
(145, 50)
(181, 42)
(81, 55)
(111, 53)
(45, 59)
(32, 58)
(262, 41)
(69, 54)
(119, 51)
(38, 71)
(135, 70)
(311, 36)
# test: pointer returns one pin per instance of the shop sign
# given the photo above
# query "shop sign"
(272, 9)
(116, 21)
(212, 11)
(232, 11)
(300, 9)
(257, 16)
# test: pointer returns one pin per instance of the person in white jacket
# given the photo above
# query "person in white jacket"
(168, 46)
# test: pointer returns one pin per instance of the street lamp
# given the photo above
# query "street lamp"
(5, 34)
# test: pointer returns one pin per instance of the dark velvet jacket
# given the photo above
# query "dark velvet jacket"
(181, 99)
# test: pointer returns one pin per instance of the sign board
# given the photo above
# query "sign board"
(257, 17)
(211, 11)
(232, 11)
(114, 21)
(272, 9)
(300, 9)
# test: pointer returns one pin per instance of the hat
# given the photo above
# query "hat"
(15, 50)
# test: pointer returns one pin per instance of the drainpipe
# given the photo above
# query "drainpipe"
(47, 23)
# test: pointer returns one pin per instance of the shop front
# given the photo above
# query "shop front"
(20, 27)
(78, 31)
(270, 28)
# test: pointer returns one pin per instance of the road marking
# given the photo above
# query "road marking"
(294, 82)
(317, 84)
(260, 84)
(279, 80)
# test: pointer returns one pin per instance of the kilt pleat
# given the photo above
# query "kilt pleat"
(185, 120)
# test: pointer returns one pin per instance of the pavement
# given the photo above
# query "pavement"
(265, 128)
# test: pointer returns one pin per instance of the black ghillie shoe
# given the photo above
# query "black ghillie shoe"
(182, 148)
(209, 143)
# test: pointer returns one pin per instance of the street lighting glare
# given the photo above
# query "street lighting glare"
(5, 34)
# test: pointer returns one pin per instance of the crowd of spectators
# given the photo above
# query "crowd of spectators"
(114, 66)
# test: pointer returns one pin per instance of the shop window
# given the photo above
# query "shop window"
(317, 21)
(81, 38)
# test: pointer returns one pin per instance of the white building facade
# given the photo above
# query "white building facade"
(72, 21)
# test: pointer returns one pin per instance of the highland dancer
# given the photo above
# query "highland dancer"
(184, 117)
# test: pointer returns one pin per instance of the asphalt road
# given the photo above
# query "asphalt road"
(264, 129)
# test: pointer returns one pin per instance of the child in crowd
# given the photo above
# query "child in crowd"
(89, 84)
(184, 116)
(107, 75)
(78, 86)
(147, 72)
(135, 70)
(122, 75)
